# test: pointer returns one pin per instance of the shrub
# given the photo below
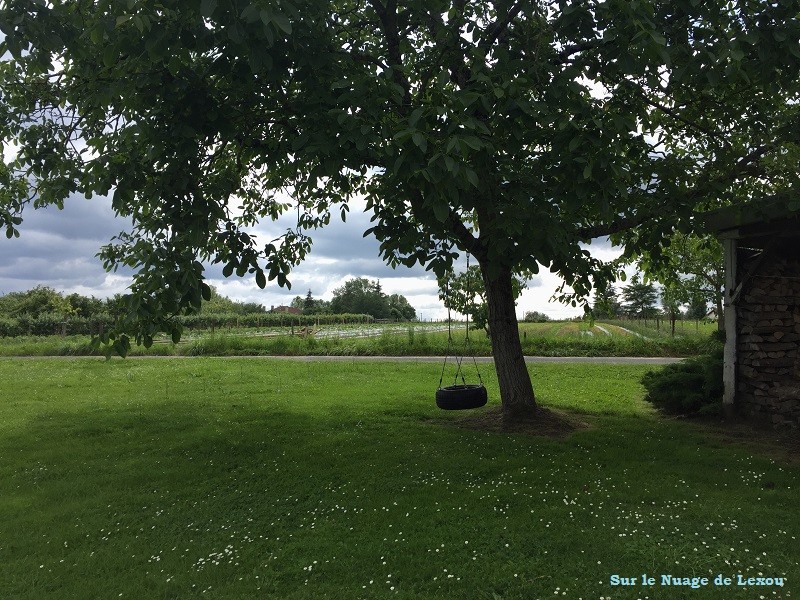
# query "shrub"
(535, 316)
(693, 386)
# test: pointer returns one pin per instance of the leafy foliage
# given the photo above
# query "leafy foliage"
(535, 316)
(400, 309)
(640, 298)
(691, 386)
(692, 270)
(38, 301)
(465, 293)
(219, 304)
(606, 303)
(362, 295)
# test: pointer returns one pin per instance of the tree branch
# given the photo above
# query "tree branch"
(670, 112)
(496, 29)
(621, 224)
(568, 51)
(453, 223)
(744, 166)
(388, 17)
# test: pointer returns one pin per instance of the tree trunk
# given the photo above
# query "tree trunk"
(516, 391)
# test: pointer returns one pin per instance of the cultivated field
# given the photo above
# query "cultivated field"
(258, 478)
(625, 338)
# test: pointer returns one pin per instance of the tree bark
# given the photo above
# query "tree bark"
(516, 390)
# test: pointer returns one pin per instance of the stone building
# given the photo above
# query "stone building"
(762, 309)
(289, 310)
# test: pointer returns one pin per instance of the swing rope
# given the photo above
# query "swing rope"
(469, 342)
(459, 359)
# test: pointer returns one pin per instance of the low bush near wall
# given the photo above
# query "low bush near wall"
(693, 386)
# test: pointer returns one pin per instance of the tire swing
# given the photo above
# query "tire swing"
(464, 395)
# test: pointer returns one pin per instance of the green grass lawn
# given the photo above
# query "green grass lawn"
(262, 478)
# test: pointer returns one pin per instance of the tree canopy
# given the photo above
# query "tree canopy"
(465, 293)
(515, 130)
(44, 300)
(363, 296)
(640, 297)
(691, 267)
(606, 304)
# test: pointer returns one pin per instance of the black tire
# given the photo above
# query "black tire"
(460, 397)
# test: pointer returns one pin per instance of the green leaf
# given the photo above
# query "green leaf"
(139, 23)
(420, 141)
(207, 7)
(251, 14)
(227, 270)
(415, 116)
(283, 23)
(441, 210)
(473, 142)
(109, 56)
(261, 279)
(96, 35)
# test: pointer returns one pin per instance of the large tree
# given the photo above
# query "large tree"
(692, 268)
(639, 298)
(361, 296)
(606, 304)
(513, 129)
(400, 308)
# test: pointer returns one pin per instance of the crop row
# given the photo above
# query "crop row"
(52, 324)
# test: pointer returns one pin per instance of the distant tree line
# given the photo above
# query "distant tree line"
(44, 300)
(46, 311)
(641, 299)
(690, 271)
(359, 296)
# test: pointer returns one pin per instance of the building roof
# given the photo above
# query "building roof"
(776, 215)
(286, 309)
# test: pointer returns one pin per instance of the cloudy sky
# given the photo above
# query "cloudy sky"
(57, 248)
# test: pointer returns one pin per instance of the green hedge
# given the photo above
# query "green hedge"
(693, 386)
(50, 324)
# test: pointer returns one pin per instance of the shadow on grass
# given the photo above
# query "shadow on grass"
(312, 491)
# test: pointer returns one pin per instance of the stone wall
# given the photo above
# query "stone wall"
(768, 343)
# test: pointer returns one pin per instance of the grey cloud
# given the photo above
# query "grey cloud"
(58, 247)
